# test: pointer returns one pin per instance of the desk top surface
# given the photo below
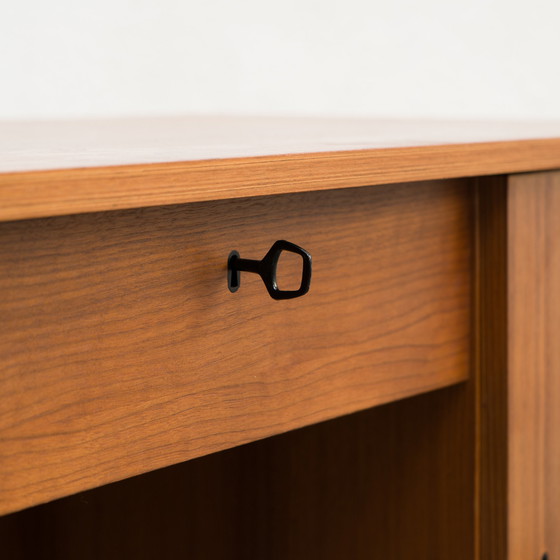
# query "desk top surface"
(63, 167)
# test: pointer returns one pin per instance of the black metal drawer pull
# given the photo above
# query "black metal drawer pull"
(266, 269)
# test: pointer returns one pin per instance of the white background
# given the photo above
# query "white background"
(421, 58)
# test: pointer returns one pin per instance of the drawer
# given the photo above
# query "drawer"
(122, 349)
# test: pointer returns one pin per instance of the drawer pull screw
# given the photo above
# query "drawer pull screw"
(266, 269)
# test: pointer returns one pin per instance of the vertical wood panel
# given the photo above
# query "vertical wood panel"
(534, 362)
(552, 416)
(491, 349)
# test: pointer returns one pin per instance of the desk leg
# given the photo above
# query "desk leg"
(534, 365)
(520, 367)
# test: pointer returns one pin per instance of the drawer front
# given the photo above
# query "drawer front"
(122, 350)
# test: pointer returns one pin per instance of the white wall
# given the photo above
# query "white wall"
(423, 58)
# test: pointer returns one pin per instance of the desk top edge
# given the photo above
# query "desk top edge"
(53, 168)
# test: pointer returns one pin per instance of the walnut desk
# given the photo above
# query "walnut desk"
(405, 407)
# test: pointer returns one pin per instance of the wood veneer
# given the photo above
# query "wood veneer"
(395, 481)
(122, 350)
(55, 168)
(491, 359)
(98, 348)
(519, 318)
(534, 366)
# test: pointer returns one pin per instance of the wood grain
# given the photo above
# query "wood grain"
(519, 320)
(67, 144)
(391, 482)
(534, 363)
(491, 359)
(57, 168)
(122, 350)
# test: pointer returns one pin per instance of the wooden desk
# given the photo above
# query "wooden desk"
(417, 373)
